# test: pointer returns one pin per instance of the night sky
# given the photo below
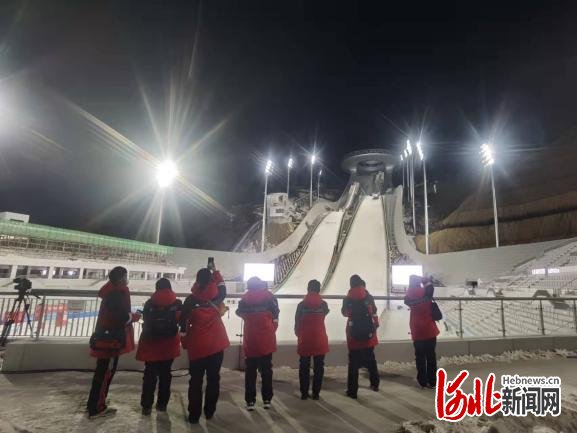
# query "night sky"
(223, 85)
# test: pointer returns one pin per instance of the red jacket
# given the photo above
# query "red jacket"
(310, 326)
(359, 294)
(115, 313)
(421, 322)
(202, 330)
(160, 349)
(259, 309)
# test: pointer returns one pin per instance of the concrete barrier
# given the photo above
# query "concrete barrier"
(73, 353)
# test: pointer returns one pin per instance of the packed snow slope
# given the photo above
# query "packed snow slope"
(315, 261)
(364, 252)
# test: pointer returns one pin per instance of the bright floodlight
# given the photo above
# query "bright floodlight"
(313, 158)
(268, 167)
(409, 147)
(290, 163)
(487, 155)
(320, 172)
(166, 172)
(402, 157)
(420, 150)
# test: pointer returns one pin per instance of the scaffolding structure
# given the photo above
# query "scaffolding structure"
(35, 239)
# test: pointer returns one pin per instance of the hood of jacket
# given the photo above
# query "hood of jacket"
(109, 288)
(415, 292)
(206, 293)
(163, 297)
(256, 296)
(312, 300)
(359, 292)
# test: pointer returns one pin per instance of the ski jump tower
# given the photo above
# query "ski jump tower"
(372, 168)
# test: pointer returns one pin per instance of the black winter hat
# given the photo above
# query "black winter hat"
(255, 283)
(163, 283)
(356, 281)
(117, 274)
(203, 277)
(314, 286)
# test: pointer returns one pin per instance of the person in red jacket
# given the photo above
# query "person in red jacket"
(424, 330)
(159, 345)
(114, 315)
(360, 309)
(204, 336)
(312, 339)
(259, 310)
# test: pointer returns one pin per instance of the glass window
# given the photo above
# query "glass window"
(66, 273)
(38, 272)
(94, 274)
(137, 275)
(22, 271)
(5, 271)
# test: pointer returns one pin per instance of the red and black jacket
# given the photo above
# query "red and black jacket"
(259, 310)
(360, 293)
(201, 327)
(159, 349)
(310, 326)
(115, 313)
(419, 299)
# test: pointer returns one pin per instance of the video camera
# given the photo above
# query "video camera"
(24, 287)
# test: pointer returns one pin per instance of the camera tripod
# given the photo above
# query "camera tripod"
(21, 304)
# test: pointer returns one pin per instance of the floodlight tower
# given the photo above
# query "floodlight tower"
(422, 157)
(488, 160)
(166, 173)
(412, 181)
(288, 175)
(267, 171)
(313, 159)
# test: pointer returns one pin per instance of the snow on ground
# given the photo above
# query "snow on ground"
(316, 260)
(54, 402)
(364, 252)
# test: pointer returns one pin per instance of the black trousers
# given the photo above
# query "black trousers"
(426, 360)
(198, 368)
(153, 371)
(100, 384)
(305, 373)
(357, 360)
(264, 366)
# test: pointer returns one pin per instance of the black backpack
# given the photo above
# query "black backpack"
(362, 327)
(160, 322)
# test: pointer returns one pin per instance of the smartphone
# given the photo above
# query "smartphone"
(210, 264)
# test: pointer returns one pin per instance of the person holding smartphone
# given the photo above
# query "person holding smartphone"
(204, 336)
(424, 330)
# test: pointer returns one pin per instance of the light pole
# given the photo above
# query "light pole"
(313, 159)
(403, 169)
(422, 156)
(319, 184)
(488, 161)
(166, 172)
(288, 176)
(267, 171)
(412, 182)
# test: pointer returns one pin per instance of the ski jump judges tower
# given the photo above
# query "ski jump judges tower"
(372, 168)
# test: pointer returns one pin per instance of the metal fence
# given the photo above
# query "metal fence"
(73, 313)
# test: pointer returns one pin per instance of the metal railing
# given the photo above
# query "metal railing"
(285, 264)
(346, 223)
(73, 313)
